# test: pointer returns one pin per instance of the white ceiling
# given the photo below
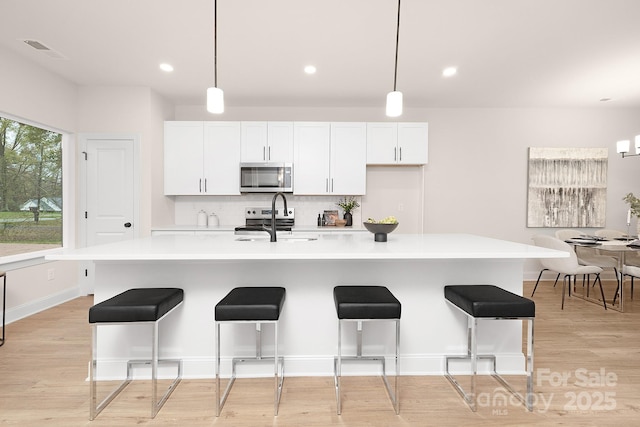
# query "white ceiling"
(509, 53)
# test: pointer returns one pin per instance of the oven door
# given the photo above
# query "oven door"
(266, 177)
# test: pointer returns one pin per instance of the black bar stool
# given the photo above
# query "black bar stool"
(256, 305)
(489, 302)
(366, 304)
(4, 302)
(146, 305)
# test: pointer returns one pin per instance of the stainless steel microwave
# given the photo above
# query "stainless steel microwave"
(266, 177)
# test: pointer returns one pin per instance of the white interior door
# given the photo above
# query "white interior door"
(110, 193)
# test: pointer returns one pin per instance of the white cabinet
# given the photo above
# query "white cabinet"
(311, 165)
(348, 169)
(397, 143)
(183, 142)
(221, 153)
(201, 158)
(330, 158)
(267, 142)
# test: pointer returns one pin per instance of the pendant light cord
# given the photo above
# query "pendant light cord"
(215, 43)
(395, 72)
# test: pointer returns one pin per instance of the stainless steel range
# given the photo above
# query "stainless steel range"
(256, 218)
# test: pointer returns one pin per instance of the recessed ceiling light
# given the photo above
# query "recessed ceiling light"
(310, 69)
(166, 67)
(449, 71)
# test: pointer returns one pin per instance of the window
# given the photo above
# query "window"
(30, 188)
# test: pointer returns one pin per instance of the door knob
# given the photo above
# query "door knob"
(127, 224)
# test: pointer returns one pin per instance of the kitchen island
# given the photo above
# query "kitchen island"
(414, 267)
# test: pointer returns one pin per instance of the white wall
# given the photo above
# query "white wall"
(132, 110)
(39, 97)
(162, 208)
(32, 93)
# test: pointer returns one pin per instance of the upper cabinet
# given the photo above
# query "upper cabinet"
(267, 142)
(183, 144)
(222, 158)
(348, 158)
(397, 143)
(201, 158)
(330, 158)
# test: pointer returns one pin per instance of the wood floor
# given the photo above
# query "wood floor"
(587, 374)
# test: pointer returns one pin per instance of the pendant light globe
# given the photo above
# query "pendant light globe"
(215, 100)
(394, 104)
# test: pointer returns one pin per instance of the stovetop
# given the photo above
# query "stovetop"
(265, 213)
(258, 217)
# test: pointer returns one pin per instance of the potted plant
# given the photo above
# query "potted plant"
(348, 204)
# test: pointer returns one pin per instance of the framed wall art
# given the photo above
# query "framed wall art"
(567, 187)
(330, 217)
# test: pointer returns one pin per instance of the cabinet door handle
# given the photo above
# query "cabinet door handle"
(269, 153)
(127, 225)
(400, 153)
(205, 185)
(264, 157)
(332, 185)
(395, 154)
(326, 185)
(200, 186)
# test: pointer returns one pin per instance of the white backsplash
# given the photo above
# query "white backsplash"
(230, 209)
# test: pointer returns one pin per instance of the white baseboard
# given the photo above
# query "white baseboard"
(36, 306)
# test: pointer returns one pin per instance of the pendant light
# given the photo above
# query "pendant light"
(394, 99)
(215, 95)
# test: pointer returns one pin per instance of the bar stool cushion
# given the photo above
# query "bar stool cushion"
(365, 302)
(489, 301)
(136, 305)
(251, 304)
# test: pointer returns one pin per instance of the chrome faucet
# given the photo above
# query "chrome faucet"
(272, 230)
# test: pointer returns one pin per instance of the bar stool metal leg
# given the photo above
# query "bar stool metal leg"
(4, 303)
(278, 384)
(338, 360)
(278, 362)
(95, 407)
(473, 353)
(473, 357)
(154, 362)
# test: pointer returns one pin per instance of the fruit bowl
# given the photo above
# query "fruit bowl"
(380, 231)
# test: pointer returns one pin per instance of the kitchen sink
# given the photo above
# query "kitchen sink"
(286, 238)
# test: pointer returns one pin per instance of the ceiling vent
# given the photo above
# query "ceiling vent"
(41, 47)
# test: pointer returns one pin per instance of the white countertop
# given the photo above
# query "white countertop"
(328, 246)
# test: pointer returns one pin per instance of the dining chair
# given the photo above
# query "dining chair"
(631, 265)
(567, 233)
(631, 271)
(609, 233)
(569, 267)
(588, 255)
